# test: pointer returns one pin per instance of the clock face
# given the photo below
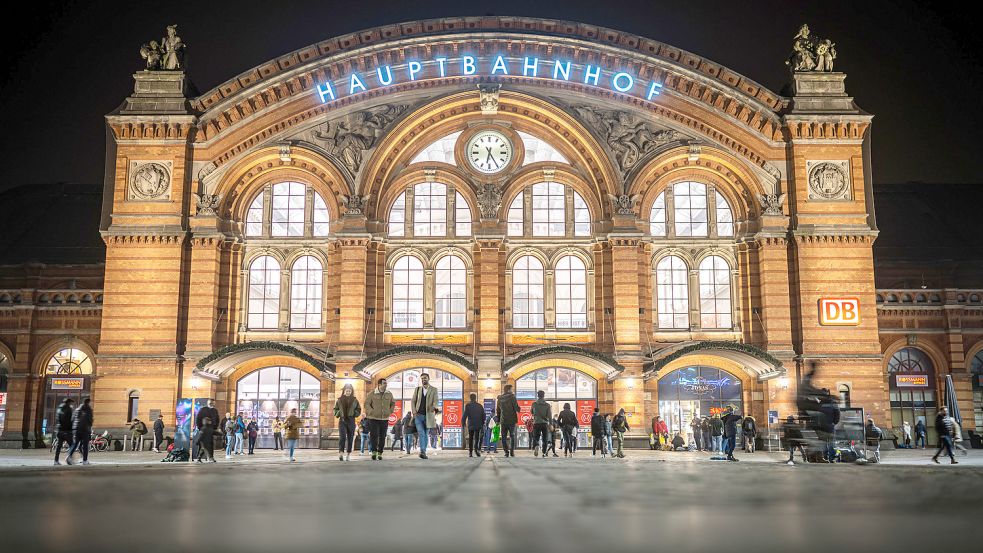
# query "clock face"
(489, 152)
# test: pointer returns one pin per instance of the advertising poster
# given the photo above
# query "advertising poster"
(585, 410)
(452, 413)
(525, 411)
(185, 420)
(397, 414)
(489, 405)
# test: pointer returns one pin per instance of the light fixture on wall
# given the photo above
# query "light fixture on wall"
(489, 383)
(783, 383)
(630, 382)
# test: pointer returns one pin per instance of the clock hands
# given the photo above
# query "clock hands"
(490, 158)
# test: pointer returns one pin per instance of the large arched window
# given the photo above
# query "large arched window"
(976, 368)
(305, 293)
(571, 293)
(407, 293)
(690, 213)
(725, 218)
(288, 209)
(527, 293)
(430, 209)
(271, 392)
(450, 398)
(909, 360)
(254, 217)
(581, 216)
(688, 209)
(431, 213)
(657, 218)
(264, 293)
(287, 213)
(69, 361)
(548, 213)
(672, 290)
(451, 293)
(715, 303)
(911, 383)
(397, 216)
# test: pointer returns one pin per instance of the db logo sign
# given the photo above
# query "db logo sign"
(393, 417)
(452, 419)
(525, 417)
(839, 311)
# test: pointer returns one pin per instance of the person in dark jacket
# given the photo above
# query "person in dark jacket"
(474, 421)
(828, 419)
(706, 429)
(716, 431)
(921, 433)
(252, 432)
(397, 433)
(542, 413)
(944, 428)
(207, 412)
(158, 433)
(82, 432)
(409, 432)
(749, 429)
(697, 433)
(793, 439)
(620, 426)
(206, 439)
(729, 421)
(568, 426)
(873, 435)
(597, 433)
(507, 411)
(554, 429)
(346, 410)
(63, 427)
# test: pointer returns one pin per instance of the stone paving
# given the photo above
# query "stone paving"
(648, 501)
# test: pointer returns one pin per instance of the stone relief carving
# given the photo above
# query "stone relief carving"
(488, 94)
(772, 203)
(489, 201)
(166, 55)
(624, 204)
(206, 204)
(358, 132)
(627, 136)
(150, 180)
(828, 180)
(355, 205)
(809, 53)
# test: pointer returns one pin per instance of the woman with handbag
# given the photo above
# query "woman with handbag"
(346, 410)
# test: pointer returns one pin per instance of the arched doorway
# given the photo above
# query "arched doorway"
(271, 392)
(976, 369)
(697, 391)
(450, 400)
(911, 379)
(560, 385)
(68, 374)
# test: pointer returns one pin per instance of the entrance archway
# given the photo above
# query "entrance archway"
(560, 385)
(271, 392)
(697, 391)
(68, 375)
(450, 400)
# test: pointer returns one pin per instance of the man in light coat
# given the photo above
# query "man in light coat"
(379, 404)
(424, 406)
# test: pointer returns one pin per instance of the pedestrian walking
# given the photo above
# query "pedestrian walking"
(221, 429)
(397, 432)
(379, 404)
(697, 432)
(63, 427)
(230, 436)
(409, 432)
(291, 430)
(568, 426)
(598, 432)
(252, 432)
(542, 413)
(507, 412)
(208, 411)
(706, 429)
(529, 431)
(716, 434)
(906, 434)
(945, 429)
(957, 436)
(346, 410)
(206, 438)
(435, 432)
(81, 431)
(620, 425)
(554, 429)
(474, 422)
(921, 433)
(609, 432)
(749, 429)
(826, 430)
(793, 439)
(729, 421)
(138, 428)
(277, 427)
(363, 436)
(158, 433)
(492, 431)
(423, 406)
(873, 436)
(241, 433)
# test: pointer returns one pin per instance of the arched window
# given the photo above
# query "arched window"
(132, 405)
(657, 218)
(441, 150)
(451, 293)
(976, 368)
(69, 361)
(407, 290)
(715, 309)
(254, 216)
(305, 293)
(538, 150)
(288, 209)
(690, 213)
(910, 360)
(450, 395)
(581, 216)
(430, 209)
(527, 293)
(515, 216)
(725, 218)
(321, 217)
(844, 392)
(672, 289)
(397, 216)
(571, 293)
(264, 293)
(462, 216)
(548, 213)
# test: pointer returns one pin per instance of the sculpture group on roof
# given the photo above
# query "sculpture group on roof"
(166, 55)
(809, 53)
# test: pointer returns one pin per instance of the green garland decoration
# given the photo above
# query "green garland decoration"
(748, 349)
(448, 354)
(265, 345)
(552, 350)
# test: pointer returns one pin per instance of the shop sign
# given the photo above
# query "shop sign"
(525, 411)
(67, 383)
(452, 413)
(397, 414)
(839, 311)
(585, 411)
(489, 405)
(467, 65)
(772, 417)
(911, 380)
(3, 399)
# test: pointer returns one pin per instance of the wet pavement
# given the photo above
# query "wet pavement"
(649, 501)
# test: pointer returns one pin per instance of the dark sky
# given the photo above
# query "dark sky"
(915, 66)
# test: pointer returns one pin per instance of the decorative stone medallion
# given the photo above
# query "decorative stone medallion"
(150, 180)
(829, 180)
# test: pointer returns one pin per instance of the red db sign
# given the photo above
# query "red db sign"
(839, 311)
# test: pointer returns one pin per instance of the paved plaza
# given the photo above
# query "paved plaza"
(648, 501)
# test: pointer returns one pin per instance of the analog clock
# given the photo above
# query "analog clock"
(489, 152)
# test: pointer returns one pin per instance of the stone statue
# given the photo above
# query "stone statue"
(624, 204)
(628, 137)
(173, 48)
(357, 133)
(489, 201)
(355, 205)
(151, 52)
(811, 54)
(772, 203)
(206, 203)
(488, 98)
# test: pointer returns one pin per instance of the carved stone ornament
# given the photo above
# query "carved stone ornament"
(628, 137)
(489, 201)
(166, 55)
(150, 180)
(809, 53)
(355, 205)
(206, 204)
(772, 203)
(829, 180)
(488, 94)
(352, 136)
(624, 204)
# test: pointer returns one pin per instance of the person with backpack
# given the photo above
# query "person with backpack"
(63, 427)
(346, 410)
(568, 424)
(542, 414)
(716, 434)
(944, 428)
(729, 421)
(291, 428)
(474, 421)
(137, 428)
(921, 433)
(230, 436)
(379, 404)
(620, 425)
(82, 431)
(252, 432)
(749, 428)
(507, 413)
(873, 435)
(597, 432)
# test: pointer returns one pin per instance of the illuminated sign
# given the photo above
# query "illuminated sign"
(839, 311)
(3, 399)
(67, 383)
(911, 380)
(701, 386)
(468, 65)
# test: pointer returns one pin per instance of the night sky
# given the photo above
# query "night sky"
(915, 66)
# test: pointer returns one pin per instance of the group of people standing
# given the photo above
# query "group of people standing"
(73, 427)
(237, 432)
